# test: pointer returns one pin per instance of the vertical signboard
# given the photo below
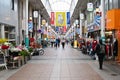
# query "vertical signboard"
(30, 26)
(52, 18)
(68, 18)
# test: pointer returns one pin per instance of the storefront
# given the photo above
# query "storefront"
(113, 26)
(93, 31)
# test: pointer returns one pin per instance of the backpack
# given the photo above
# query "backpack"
(102, 49)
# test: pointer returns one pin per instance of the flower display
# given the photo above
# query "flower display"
(3, 41)
(15, 50)
(4, 47)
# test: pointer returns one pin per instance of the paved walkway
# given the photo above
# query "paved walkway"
(59, 64)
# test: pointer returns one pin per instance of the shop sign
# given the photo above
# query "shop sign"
(81, 16)
(35, 14)
(76, 22)
(90, 6)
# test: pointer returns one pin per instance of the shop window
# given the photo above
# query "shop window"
(10, 33)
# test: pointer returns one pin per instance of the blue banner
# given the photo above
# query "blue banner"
(57, 29)
(68, 18)
(30, 26)
(97, 20)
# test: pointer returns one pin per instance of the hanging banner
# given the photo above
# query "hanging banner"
(64, 29)
(30, 26)
(68, 18)
(60, 19)
(97, 20)
(57, 29)
(52, 18)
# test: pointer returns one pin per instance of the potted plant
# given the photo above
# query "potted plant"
(24, 53)
(30, 52)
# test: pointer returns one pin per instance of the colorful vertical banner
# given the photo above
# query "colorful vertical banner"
(60, 19)
(52, 18)
(68, 18)
(57, 29)
(30, 26)
(64, 29)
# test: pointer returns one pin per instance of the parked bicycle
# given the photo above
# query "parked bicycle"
(38, 51)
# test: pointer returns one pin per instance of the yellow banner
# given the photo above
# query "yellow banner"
(60, 19)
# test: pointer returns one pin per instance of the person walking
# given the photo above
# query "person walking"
(100, 50)
(63, 43)
(58, 42)
(115, 49)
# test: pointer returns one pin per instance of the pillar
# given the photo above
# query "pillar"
(80, 28)
(39, 26)
(25, 7)
(2, 31)
(103, 18)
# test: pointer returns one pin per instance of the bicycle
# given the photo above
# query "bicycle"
(38, 51)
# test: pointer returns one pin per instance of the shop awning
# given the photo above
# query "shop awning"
(113, 19)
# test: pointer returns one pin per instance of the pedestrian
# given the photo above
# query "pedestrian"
(63, 43)
(52, 41)
(58, 42)
(115, 49)
(100, 50)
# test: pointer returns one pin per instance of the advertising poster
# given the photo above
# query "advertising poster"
(60, 19)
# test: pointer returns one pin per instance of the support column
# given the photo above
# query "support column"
(47, 29)
(81, 17)
(81, 28)
(39, 26)
(74, 31)
(2, 31)
(103, 18)
(39, 21)
(26, 23)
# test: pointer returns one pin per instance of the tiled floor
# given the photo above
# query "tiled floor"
(58, 71)
(59, 64)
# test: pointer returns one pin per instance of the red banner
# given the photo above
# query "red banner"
(52, 18)
(64, 29)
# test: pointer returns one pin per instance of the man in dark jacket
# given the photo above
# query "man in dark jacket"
(100, 54)
(115, 48)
